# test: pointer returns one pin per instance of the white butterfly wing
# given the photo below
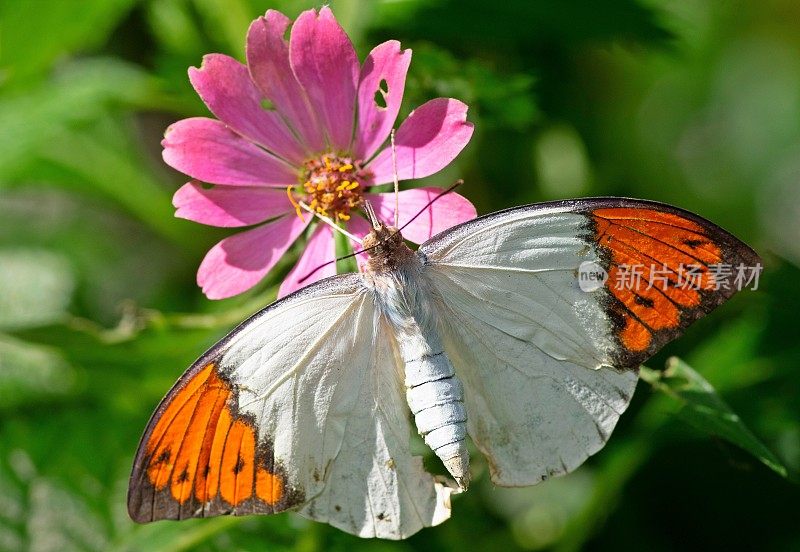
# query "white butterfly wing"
(298, 408)
(534, 352)
(390, 495)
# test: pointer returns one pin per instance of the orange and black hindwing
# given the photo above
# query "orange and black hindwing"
(199, 457)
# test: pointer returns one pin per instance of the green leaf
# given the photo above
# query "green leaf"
(62, 520)
(42, 513)
(497, 97)
(37, 287)
(228, 19)
(176, 537)
(120, 263)
(82, 91)
(31, 373)
(172, 24)
(107, 161)
(702, 408)
(36, 33)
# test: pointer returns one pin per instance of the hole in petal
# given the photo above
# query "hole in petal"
(380, 101)
(380, 94)
(267, 105)
(205, 185)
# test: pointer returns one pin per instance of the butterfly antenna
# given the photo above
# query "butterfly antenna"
(457, 183)
(336, 260)
(396, 183)
(323, 265)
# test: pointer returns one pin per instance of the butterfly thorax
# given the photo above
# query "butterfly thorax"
(387, 250)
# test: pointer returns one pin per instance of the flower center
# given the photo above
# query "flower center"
(333, 185)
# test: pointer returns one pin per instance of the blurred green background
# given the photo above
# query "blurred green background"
(693, 102)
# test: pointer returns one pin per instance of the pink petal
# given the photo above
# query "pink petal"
(229, 206)
(385, 64)
(319, 250)
(207, 150)
(359, 227)
(427, 141)
(447, 211)
(225, 86)
(326, 65)
(239, 262)
(268, 61)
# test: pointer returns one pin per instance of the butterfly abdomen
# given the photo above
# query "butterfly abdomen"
(436, 398)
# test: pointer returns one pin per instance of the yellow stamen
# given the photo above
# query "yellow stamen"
(331, 186)
(294, 202)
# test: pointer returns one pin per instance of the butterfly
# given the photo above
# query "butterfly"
(488, 330)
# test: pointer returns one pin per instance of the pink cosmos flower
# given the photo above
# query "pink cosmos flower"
(302, 122)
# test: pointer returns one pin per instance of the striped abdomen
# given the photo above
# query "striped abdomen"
(436, 398)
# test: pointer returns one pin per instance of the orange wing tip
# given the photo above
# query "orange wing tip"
(665, 270)
(647, 215)
(199, 458)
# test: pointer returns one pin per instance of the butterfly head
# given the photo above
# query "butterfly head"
(386, 248)
(384, 244)
(383, 239)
